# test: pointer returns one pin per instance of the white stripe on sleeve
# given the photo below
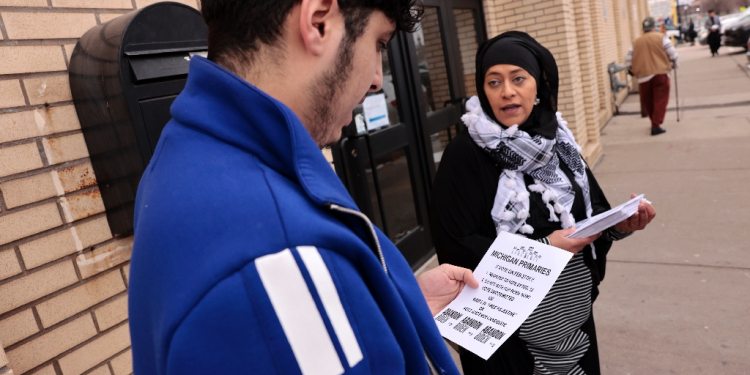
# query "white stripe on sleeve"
(321, 277)
(298, 315)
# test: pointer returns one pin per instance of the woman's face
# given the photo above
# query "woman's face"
(511, 91)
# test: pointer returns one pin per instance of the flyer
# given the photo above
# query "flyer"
(514, 276)
(604, 220)
(376, 111)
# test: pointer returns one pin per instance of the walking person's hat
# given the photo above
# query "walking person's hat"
(648, 24)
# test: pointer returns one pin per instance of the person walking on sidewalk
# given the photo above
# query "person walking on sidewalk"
(690, 34)
(713, 24)
(650, 59)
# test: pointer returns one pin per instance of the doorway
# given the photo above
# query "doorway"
(388, 156)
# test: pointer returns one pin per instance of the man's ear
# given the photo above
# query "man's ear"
(316, 22)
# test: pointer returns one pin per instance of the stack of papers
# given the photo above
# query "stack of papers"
(604, 220)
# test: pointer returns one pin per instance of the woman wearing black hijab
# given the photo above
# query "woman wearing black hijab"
(518, 169)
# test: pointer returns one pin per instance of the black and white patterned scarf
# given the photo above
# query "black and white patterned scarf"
(519, 153)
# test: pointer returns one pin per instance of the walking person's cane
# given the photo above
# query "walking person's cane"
(676, 91)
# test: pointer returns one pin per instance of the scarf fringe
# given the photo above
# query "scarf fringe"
(512, 201)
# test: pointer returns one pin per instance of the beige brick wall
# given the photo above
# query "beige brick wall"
(63, 278)
(467, 42)
(434, 53)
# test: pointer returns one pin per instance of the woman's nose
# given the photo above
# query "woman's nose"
(508, 91)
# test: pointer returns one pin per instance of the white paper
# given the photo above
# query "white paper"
(376, 111)
(604, 220)
(199, 53)
(514, 276)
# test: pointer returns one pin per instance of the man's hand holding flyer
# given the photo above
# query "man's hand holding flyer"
(514, 276)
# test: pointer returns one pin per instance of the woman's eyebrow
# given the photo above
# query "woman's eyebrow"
(514, 71)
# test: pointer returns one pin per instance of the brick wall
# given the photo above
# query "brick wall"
(434, 55)
(467, 42)
(63, 278)
(587, 69)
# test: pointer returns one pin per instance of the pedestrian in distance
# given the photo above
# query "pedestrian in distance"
(250, 257)
(713, 24)
(691, 32)
(518, 169)
(650, 59)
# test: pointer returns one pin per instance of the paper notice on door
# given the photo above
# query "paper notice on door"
(514, 276)
(376, 111)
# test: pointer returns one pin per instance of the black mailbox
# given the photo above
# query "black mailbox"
(124, 76)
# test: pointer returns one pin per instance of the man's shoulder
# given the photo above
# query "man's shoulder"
(209, 192)
(190, 165)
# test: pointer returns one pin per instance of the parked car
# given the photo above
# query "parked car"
(737, 34)
(731, 20)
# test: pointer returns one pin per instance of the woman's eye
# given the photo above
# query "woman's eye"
(519, 79)
(494, 83)
(381, 46)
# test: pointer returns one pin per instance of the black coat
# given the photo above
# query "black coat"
(462, 229)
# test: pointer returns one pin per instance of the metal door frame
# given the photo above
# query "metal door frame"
(451, 115)
(357, 150)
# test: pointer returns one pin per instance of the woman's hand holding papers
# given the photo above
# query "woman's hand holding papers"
(559, 239)
(443, 284)
(638, 220)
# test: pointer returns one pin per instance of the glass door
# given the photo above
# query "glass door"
(378, 158)
(388, 155)
(445, 50)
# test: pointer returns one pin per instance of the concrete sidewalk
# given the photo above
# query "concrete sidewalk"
(676, 297)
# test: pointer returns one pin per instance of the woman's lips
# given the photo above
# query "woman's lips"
(511, 109)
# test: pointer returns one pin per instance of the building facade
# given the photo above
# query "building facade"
(63, 277)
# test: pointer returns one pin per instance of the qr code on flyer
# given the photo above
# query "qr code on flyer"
(482, 338)
(448, 314)
(487, 333)
(461, 327)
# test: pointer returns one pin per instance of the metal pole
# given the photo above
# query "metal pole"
(676, 92)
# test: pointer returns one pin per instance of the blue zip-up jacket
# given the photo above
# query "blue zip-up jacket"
(250, 256)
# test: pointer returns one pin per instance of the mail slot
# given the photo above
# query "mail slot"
(124, 76)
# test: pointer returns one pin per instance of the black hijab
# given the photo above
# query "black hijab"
(520, 49)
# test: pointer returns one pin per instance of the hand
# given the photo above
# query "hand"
(639, 220)
(442, 284)
(559, 239)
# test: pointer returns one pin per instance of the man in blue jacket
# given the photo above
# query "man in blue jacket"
(250, 257)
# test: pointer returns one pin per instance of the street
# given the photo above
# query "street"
(676, 297)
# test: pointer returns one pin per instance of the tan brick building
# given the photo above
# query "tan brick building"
(63, 278)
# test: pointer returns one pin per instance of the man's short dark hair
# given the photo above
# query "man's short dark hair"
(711, 11)
(238, 28)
